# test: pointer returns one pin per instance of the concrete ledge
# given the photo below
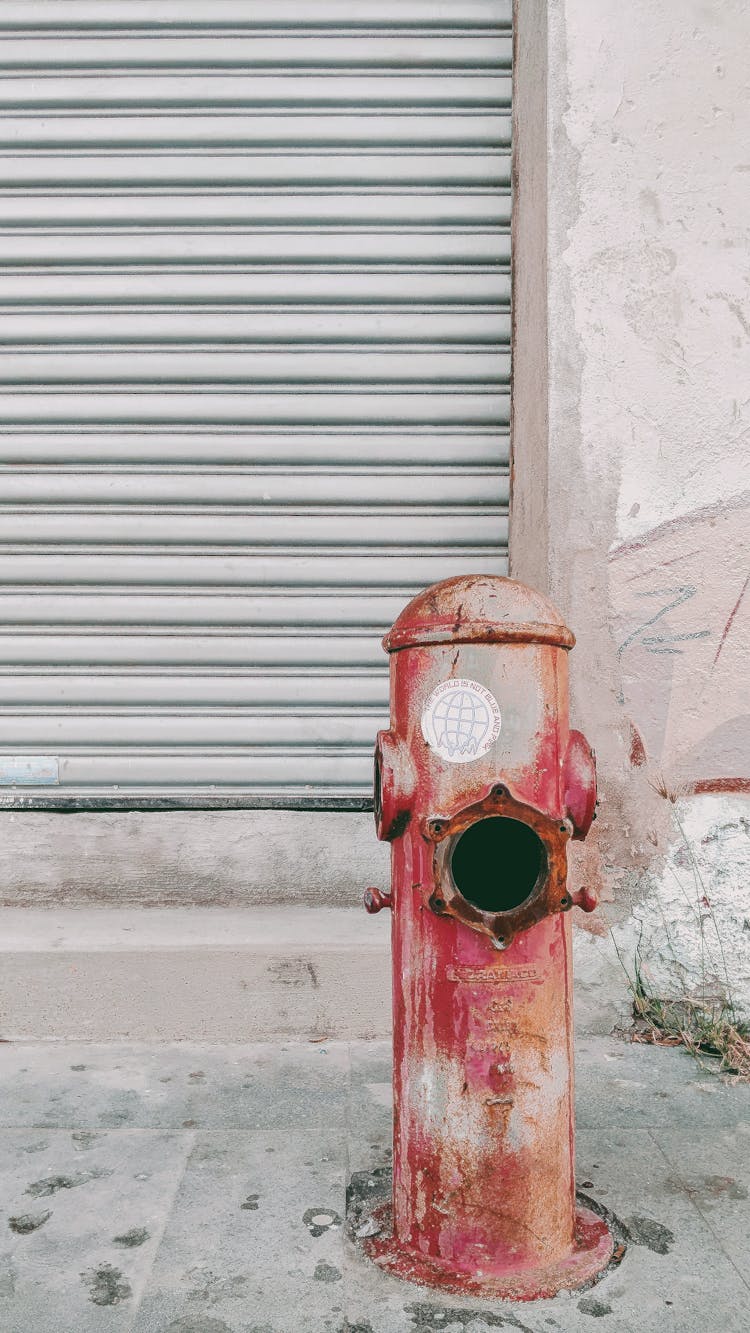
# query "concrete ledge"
(216, 858)
(200, 974)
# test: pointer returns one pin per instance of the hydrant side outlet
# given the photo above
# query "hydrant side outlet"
(479, 786)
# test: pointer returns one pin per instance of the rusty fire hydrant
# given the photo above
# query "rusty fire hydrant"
(479, 785)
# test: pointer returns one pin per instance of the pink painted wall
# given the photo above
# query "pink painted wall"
(631, 435)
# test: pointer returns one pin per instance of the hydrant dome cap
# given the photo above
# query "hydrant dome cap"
(478, 608)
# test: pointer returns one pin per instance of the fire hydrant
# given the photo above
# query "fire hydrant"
(479, 785)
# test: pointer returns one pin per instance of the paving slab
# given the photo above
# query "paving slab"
(82, 1219)
(712, 1170)
(255, 1234)
(675, 1275)
(173, 1086)
(370, 1110)
(638, 1086)
(200, 1188)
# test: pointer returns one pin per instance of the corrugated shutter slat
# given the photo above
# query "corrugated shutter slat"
(254, 376)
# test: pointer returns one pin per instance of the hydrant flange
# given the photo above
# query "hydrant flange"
(548, 893)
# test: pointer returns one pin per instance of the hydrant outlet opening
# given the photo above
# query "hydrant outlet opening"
(497, 864)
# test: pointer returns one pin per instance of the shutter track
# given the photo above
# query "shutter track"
(254, 379)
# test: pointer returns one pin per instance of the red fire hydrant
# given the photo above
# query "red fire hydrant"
(479, 785)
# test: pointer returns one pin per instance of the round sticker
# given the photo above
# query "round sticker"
(461, 720)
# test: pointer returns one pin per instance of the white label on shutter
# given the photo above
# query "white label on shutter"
(29, 771)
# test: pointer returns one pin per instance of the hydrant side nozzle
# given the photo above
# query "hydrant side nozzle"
(394, 785)
(579, 783)
(585, 898)
(375, 900)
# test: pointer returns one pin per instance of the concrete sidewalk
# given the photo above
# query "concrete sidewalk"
(201, 1189)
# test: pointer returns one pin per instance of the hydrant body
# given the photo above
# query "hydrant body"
(479, 786)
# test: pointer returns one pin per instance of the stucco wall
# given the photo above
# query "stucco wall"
(645, 365)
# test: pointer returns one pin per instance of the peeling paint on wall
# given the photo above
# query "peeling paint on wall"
(648, 363)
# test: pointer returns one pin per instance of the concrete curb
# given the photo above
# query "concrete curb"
(187, 973)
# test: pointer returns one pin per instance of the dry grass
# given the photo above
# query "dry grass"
(707, 1026)
(714, 1032)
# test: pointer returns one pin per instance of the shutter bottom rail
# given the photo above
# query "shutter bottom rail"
(70, 804)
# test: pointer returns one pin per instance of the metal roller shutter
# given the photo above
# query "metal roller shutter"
(254, 285)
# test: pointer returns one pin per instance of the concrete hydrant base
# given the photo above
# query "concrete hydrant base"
(593, 1250)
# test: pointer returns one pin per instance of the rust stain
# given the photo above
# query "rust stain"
(638, 755)
(720, 785)
(730, 621)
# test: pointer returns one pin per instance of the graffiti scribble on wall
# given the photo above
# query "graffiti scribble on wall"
(681, 606)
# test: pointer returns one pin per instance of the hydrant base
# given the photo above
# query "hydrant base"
(592, 1251)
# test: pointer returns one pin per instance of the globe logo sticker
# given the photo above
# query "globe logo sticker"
(461, 720)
